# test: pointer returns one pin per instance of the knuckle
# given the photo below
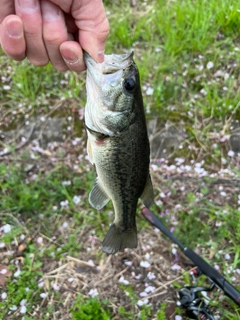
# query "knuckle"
(53, 39)
(31, 33)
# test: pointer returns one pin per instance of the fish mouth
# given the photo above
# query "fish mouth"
(111, 70)
(116, 62)
(111, 63)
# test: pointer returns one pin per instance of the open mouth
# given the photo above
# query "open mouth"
(111, 64)
(110, 71)
(116, 62)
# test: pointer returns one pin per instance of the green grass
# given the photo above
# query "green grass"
(188, 53)
(26, 84)
(90, 310)
(169, 37)
(40, 194)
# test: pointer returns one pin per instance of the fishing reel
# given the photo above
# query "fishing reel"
(196, 307)
(191, 299)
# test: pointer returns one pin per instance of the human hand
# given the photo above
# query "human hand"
(53, 30)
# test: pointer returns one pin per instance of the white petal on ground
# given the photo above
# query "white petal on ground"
(6, 228)
(149, 289)
(23, 302)
(142, 302)
(17, 273)
(151, 276)
(65, 224)
(2, 245)
(55, 286)
(143, 294)
(122, 280)
(145, 264)
(22, 237)
(149, 91)
(91, 263)
(4, 295)
(147, 256)
(210, 65)
(93, 293)
(23, 309)
(39, 240)
(6, 87)
(66, 183)
(227, 256)
(76, 199)
(13, 308)
(3, 271)
(231, 153)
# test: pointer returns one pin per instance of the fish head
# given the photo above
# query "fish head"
(111, 90)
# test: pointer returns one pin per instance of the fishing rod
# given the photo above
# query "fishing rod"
(189, 295)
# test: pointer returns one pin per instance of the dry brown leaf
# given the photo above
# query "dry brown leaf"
(4, 274)
(21, 247)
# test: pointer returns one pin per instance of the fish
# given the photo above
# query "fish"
(117, 145)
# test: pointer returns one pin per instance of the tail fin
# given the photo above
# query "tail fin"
(117, 240)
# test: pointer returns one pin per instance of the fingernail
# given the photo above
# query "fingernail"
(50, 11)
(14, 29)
(69, 56)
(101, 56)
(27, 4)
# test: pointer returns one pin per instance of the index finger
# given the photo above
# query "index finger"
(93, 27)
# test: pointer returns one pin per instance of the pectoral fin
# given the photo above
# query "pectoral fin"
(147, 196)
(98, 197)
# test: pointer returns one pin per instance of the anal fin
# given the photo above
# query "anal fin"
(98, 197)
(147, 196)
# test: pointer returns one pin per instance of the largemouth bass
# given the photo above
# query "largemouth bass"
(118, 145)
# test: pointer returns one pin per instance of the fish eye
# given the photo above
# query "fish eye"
(129, 84)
